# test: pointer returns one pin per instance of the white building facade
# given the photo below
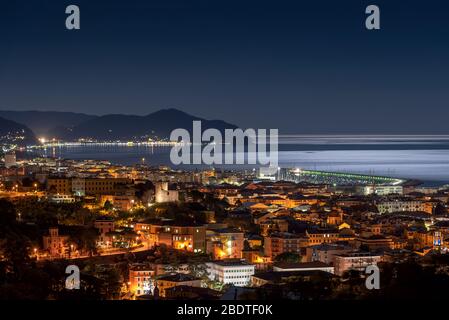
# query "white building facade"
(399, 206)
(233, 271)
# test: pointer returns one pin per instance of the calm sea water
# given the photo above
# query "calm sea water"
(419, 157)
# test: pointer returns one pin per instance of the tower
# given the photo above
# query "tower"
(10, 159)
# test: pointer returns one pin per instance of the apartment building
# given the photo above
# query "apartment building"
(355, 261)
(402, 205)
(183, 237)
(325, 252)
(231, 271)
(168, 281)
(84, 186)
(280, 242)
(225, 243)
(140, 278)
(104, 226)
(163, 194)
(59, 186)
(382, 190)
(55, 244)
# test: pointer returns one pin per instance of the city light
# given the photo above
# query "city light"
(243, 153)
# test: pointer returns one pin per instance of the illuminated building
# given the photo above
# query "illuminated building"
(318, 236)
(61, 198)
(59, 185)
(79, 187)
(13, 171)
(280, 242)
(438, 241)
(302, 266)
(105, 226)
(325, 252)
(87, 186)
(225, 243)
(55, 244)
(354, 261)
(119, 202)
(98, 186)
(174, 280)
(254, 256)
(162, 194)
(335, 218)
(10, 159)
(400, 206)
(273, 225)
(382, 190)
(232, 271)
(140, 279)
(282, 278)
(191, 238)
(375, 242)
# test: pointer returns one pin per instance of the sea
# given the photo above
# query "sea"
(422, 157)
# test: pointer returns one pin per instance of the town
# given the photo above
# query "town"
(145, 232)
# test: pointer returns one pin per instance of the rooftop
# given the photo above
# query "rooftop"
(301, 265)
(356, 254)
(178, 277)
(278, 277)
(231, 262)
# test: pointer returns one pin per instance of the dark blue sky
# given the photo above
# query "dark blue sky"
(301, 66)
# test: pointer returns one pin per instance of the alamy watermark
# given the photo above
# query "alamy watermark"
(73, 20)
(372, 22)
(373, 280)
(250, 146)
(73, 280)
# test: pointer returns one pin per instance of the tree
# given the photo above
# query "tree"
(108, 205)
(198, 270)
(8, 213)
(144, 190)
(440, 210)
(83, 216)
(15, 251)
(85, 239)
(288, 257)
(196, 195)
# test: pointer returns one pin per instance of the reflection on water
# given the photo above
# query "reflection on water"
(420, 157)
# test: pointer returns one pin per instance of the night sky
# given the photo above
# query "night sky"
(301, 66)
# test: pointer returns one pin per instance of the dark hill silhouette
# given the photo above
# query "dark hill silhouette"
(155, 125)
(72, 126)
(12, 132)
(45, 122)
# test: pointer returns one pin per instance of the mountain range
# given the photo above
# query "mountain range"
(42, 122)
(70, 126)
(12, 132)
